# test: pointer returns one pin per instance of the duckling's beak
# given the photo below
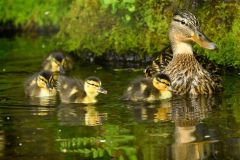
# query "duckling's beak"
(101, 90)
(62, 71)
(203, 41)
(49, 86)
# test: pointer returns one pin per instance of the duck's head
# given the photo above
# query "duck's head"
(162, 82)
(185, 27)
(57, 60)
(92, 86)
(45, 80)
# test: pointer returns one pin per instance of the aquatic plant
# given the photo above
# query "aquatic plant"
(113, 143)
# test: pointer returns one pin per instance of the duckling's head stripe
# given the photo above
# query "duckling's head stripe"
(46, 74)
(95, 79)
(161, 76)
(58, 56)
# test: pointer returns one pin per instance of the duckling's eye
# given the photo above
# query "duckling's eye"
(93, 84)
(43, 80)
(56, 61)
(168, 84)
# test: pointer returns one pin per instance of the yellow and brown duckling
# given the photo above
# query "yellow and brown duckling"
(186, 73)
(58, 62)
(77, 91)
(145, 89)
(40, 85)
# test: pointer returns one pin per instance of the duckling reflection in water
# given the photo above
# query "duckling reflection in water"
(155, 112)
(164, 112)
(77, 91)
(49, 101)
(57, 62)
(73, 114)
(93, 117)
(40, 85)
(144, 89)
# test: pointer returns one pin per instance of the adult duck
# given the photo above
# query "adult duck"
(186, 73)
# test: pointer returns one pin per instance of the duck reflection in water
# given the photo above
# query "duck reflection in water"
(73, 114)
(153, 112)
(191, 140)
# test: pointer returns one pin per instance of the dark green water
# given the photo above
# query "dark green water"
(181, 129)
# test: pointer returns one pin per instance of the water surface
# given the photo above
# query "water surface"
(181, 128)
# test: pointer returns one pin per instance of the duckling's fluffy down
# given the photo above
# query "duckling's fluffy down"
(141, 89)
(32, 89)
(70, 89)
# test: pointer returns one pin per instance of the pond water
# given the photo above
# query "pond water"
(182, 128)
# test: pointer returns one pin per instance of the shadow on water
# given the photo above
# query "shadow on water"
(203, 127)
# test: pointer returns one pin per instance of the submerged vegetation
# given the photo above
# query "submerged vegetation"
(126, 25)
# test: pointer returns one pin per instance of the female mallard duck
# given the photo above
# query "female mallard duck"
(40, 85)
(145, 89)
(186, 74)
(58, 62)
(76, 91)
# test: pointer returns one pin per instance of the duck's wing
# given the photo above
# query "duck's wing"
(213, 68)
(161, 61)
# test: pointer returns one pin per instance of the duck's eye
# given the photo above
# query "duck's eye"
(182, 22)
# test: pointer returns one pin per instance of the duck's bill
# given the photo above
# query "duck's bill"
(203, 41)
(101, 90)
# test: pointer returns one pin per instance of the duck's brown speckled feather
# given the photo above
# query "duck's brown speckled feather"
(188, 76)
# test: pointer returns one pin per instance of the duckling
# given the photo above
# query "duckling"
(57, 62)
(40, 85)
(186, 73)
(77, 91)
(145, 89)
